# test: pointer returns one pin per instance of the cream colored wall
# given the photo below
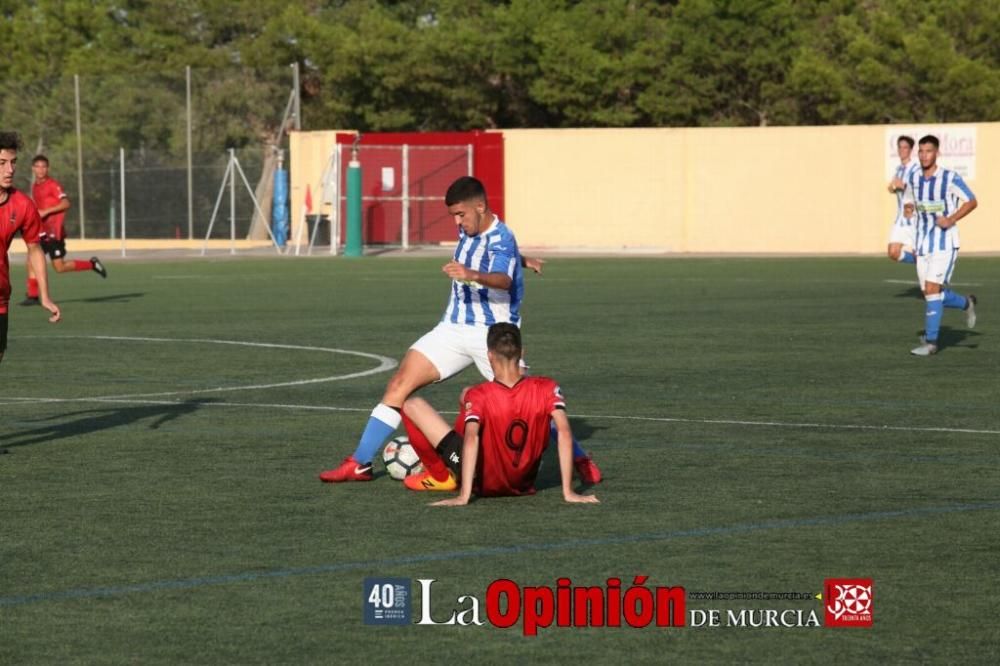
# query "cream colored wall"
(704, 190)
(782, 189)
(309, 154)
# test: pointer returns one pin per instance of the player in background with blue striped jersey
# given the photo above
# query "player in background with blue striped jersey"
(902, 232)
(942, 199)
(487, 288)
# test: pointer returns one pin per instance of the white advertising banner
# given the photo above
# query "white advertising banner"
(957, 150)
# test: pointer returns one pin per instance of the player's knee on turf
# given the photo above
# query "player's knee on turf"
(894, 251)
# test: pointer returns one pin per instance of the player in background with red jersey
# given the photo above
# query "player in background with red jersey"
(18, 215)
(52, 203)
(503, 431)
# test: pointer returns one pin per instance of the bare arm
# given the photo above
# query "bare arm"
(58, 208)
(470, 451)
(534, 263)
(457, 271)
(36, 258)
(565, 439)
(964, 209)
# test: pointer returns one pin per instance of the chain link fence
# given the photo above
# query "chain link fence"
(175, 130)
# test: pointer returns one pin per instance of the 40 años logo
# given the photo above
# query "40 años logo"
(565, 605)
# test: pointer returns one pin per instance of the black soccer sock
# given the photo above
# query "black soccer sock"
(450, 450)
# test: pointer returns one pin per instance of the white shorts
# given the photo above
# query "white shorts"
(904, 234)
(452, 348)
(936, 267)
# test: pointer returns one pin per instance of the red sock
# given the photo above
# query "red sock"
(81, 265)
(428, 454)
(32, 288)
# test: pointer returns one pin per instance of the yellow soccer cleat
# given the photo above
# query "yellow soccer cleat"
(425, 481)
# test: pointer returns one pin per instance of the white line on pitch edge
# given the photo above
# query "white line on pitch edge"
(614, 417)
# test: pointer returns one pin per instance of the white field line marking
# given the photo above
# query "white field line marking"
(782, 424)
(914, 283)
(385, 363)
(610, 417)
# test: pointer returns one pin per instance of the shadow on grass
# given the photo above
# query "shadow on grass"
(911, 292)
(85, 422)
(548, 473)
(950, 337)
(110, 298)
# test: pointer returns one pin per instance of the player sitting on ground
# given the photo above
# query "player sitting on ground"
(497, 447)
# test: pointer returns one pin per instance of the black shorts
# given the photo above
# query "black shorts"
(3, 332)
(56, 249)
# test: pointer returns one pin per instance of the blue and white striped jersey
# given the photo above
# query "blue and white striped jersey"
(491, 251)
(904, 172)
(939, 195)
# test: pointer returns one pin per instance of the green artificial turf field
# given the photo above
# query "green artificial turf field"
(760, 423)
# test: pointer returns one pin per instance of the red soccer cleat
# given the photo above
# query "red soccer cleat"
(349, 470)
(588, 470)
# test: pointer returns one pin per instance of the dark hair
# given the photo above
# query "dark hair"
(931, 139)
(465, 189)
(504, 340)
(10, 141)
(39, 158)
(908, 140)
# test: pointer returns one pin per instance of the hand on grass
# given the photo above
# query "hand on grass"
(451, 501)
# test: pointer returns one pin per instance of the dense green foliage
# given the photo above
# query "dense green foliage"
(459, 64)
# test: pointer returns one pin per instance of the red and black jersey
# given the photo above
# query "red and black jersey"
(513, 432)
(17, 215)
(46, 194)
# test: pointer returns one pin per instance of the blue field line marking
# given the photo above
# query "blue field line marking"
(374, 565)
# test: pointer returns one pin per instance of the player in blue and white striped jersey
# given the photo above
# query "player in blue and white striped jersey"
(487, 288)
(901, 233)
(492, 253)
(942, 199)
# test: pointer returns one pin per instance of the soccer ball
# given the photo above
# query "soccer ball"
(401, 459)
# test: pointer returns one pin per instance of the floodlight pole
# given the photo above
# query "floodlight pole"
(79, 158)
(297, 105)
(232, 202)
(121, 161)
(190, 179)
